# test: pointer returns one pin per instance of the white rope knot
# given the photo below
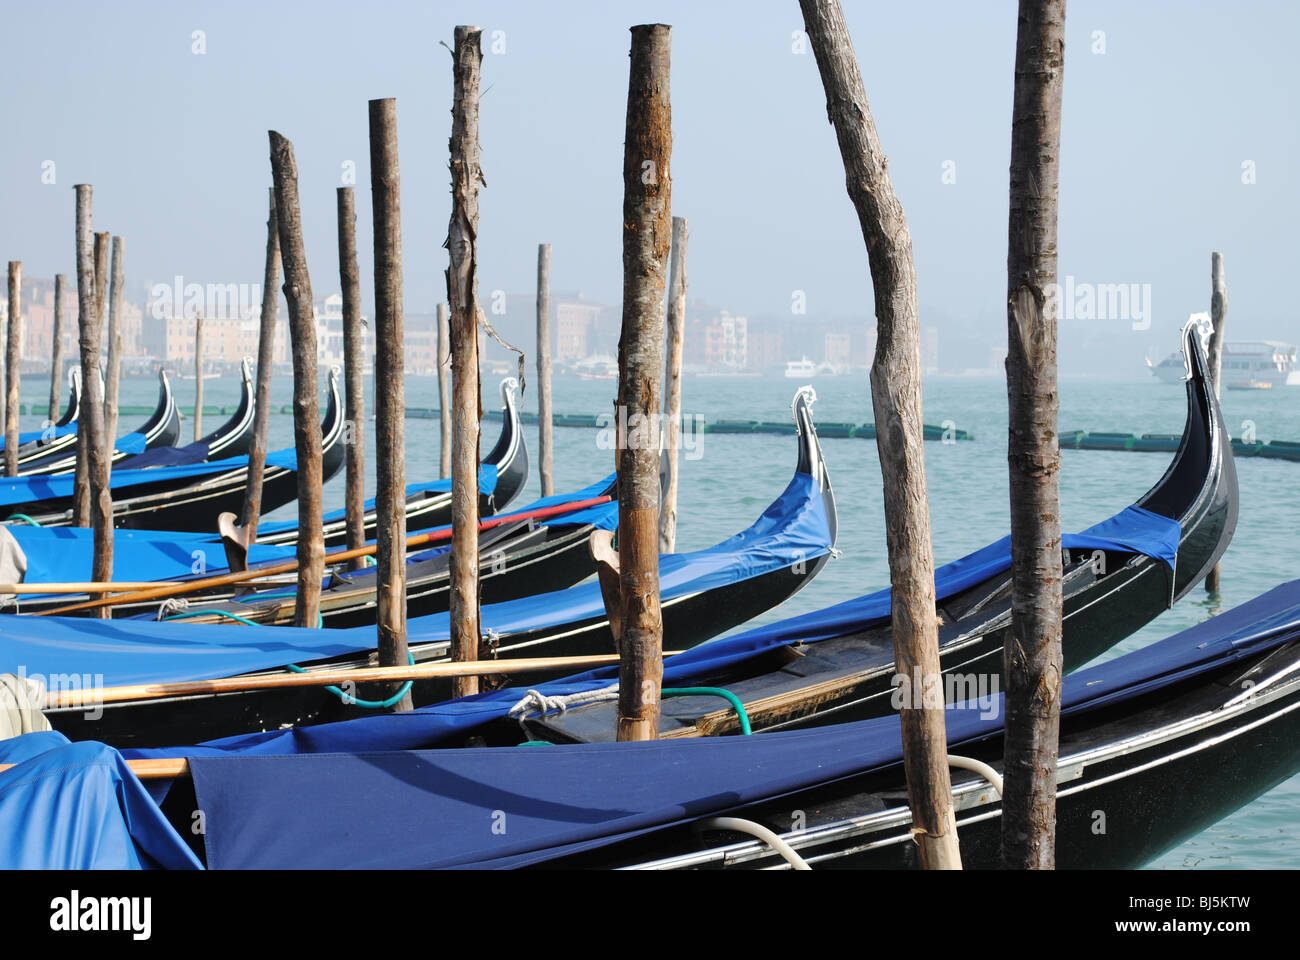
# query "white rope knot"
(535, 701)
(172, 605)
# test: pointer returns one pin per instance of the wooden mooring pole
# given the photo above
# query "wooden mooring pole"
(647, 229)
(99, 446)
(13, 361)
(1218, 313)
(896, 398)
(354, 497)
(252, 510)
(673, 381)
(198, 376)
(462, 298)
(1032, 659)
(56, 349)
(390, 392)
(444, 392)
(85, 316)
(306, 402)
(113, 365)
(545, 428)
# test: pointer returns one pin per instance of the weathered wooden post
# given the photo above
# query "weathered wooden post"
(13, 361)
(306, 403)
(896, 398)
(354, 498)
(444, 392)
(545, 428)
(198, 376)
(85, 316)
(462, 298)
(647, 229)
(1218, 312)
(113, 376)
(99, 447)
(265, 359)
(56, 354)
(1032, 661)
(390, 391)
(673, 381)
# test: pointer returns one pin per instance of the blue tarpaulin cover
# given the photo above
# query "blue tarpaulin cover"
(1132, 530)
(77, 806)
(793, 528)
(511, 807)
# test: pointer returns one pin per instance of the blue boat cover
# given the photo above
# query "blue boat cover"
(793, 528)
(511, 807)
(43, 487)
(167, 457)
(1132, 530)
(49, 433)
(78, 806)
(62, 554)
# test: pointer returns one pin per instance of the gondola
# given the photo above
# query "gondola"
(704, 593)
(162, 429)
(838, 664)
(234, 438)
(429, 504)
(59, 436)
(188, 497)
(1163, 742)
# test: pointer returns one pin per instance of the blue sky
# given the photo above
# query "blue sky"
(1156, 131)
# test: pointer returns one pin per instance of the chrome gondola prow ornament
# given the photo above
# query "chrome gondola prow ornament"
(1204, 329)
(246, 369)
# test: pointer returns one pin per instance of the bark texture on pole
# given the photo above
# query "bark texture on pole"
(444, 392)
(673, 381)
(13, 359)
(113, 376)
(1218, 312)
(1032, 654)
(99, 446)
(390, 387)
(85, 316)
(198, 377)
(545, 428)
(462, 298)
(306, 403)
(56, 358)
(647, 233)
(354, 497)
(896, 398)
(265, 360)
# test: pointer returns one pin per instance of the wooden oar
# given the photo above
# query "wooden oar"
(322, 678)
(146, 769)
(172, 589)
(92, 587)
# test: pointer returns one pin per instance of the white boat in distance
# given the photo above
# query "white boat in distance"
(1247, 365)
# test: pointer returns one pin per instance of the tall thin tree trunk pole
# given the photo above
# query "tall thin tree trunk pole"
(13, 360)
(1032, 654)
(673, 381)
(896, 398)
(85, 317)
(462, 297)
(647, 231)
(99, 446)
(56, 354)
(444, 392)
(390, 391)
(113, 376)
(354, 498)
(198, 377)
(545, 428)
(1218, 311)
(265, 361)
(306, 402)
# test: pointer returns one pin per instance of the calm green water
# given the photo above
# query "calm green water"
(736, 477)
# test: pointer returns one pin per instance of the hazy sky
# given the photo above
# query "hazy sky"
(1160, 129)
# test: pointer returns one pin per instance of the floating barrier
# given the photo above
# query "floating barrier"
(1167, 443)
